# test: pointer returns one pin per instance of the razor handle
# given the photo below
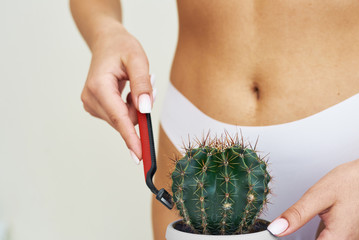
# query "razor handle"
(149, 158)
(148, 148)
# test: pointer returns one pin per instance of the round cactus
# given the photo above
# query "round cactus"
(220, 186)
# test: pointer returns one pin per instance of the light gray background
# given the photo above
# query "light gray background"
(64, 174)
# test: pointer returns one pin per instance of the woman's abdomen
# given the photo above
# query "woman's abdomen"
(252, 63)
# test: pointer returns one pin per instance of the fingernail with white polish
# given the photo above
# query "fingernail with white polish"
(134, 157)
(278, 226)
(154, 93)
(145, 103)
(153, 80)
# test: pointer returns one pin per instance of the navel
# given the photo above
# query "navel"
(255, 90)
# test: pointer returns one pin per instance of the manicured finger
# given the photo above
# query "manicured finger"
(132, 111)
(314, 201)
(138, 71)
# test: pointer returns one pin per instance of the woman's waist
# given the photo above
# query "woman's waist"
(261, 94)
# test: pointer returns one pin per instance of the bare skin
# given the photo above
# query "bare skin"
(270, 62)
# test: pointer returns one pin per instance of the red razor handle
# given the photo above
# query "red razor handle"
(147, 143)
(149, 158)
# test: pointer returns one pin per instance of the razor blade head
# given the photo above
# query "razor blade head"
(165, 198)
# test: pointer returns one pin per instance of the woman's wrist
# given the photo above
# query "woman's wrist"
(106, 29)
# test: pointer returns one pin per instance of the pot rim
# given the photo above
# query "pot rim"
(173, 233)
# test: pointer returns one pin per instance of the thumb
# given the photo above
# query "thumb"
(313, 202)
(141, 90)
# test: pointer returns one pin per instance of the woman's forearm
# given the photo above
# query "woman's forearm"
(96, 18)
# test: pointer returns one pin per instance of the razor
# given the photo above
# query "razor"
(149, 158)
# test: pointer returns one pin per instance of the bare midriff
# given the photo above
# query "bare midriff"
(266, 62)
(255, 62)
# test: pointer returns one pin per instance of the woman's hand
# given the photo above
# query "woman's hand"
(335, 198)
(116, 58)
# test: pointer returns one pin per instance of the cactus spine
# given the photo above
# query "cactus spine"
(220, 186)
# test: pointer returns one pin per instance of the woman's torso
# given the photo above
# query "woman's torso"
(266, 62)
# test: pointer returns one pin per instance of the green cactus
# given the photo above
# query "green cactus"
(220, 186)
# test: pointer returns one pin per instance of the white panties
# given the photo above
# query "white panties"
(300, 152)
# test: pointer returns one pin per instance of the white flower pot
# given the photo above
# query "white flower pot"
(174, 234)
